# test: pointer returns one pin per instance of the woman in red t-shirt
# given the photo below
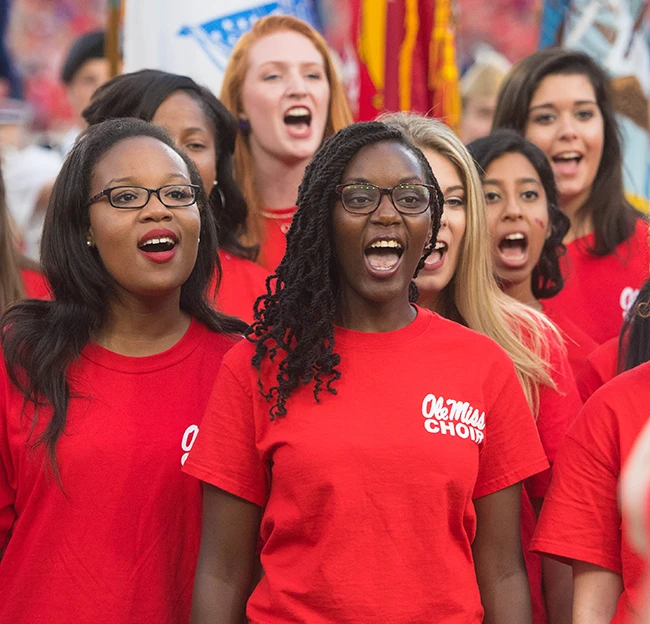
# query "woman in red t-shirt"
(102, 388)
(282, 86)
(200, 125)
(376, 448)
(457, 281)
(526, 229)
(560, 100)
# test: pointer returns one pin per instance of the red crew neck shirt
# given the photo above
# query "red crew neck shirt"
(368, 494)
(277, 223)
(600, 367)
(580, 519)
(35, 285)
(120, 543)
(579, 345)
(242, 282)
(598, 290)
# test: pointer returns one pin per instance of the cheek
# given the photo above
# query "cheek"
(540, 136)
(457, 224)
(541, 223)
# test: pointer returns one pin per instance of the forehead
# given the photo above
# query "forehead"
(96, 67)
(284, 46)
(181, 110)
(512, 166)
(138, 157)
(383, 164)
(446, 172)
(563, 88)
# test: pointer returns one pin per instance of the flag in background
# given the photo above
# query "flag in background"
(407, 58)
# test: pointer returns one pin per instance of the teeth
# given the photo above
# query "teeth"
(439, 245)
(157, 241)
(567, 156)
(515, 237)
(298, 111)
(386, 243)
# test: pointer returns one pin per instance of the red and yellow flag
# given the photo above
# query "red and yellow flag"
(407, 58)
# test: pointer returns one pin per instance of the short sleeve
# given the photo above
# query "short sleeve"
(7, 490)
(558, 408)
(580, 518)
(511, 450)
(225, 453)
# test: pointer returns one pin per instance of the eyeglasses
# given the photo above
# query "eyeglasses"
(408, 199)
(133, 197)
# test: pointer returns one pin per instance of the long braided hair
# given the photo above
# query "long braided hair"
(295, 316)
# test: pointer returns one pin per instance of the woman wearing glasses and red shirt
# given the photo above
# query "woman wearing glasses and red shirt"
(380, 459)
(102, 389)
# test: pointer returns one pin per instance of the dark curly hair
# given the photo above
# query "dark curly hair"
(295, 316)
(634, 339)
(546, 279)
(140, 94)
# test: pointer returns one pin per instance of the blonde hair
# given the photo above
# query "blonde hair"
(231, 96)
(473, 295)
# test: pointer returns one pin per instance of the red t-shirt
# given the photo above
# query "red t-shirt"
(578, 344)
(242, 282)
(600, 367)
(119, 543)
(599, 289)
(557, 410)
(368, 494)
(580, 519)
(35, 285)
(276, 225)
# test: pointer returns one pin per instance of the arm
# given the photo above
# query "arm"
(557, 583)
(595, 594)
(498, 558)
(224, 572)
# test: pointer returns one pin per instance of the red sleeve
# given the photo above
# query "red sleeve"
(511, 451)
(7, 491)
(225, 452)
(580, 518)
(599, 368)
(558, 409)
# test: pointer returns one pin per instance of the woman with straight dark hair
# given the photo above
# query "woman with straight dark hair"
(383, 480)
(103, 387)
(560, 100)
(201, 126)
(527, 228)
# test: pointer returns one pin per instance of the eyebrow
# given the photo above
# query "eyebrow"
(408, 180)
(286, 64)
(577, 103)
(496, 182)
(456, 187)
(131, 181)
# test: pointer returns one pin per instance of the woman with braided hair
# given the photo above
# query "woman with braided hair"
(375, 448)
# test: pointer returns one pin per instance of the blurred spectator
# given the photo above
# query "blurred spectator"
(479, 87)
(10, 84)
(29, 172)
(84, 70)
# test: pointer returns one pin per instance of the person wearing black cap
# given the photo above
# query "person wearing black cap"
(84, 70)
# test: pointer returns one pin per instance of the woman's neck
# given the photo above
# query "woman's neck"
(277, 181)
(360, 315)
(139, 327)
(522, 292)
(580, 225)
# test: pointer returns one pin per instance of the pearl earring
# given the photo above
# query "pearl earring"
(89, 243)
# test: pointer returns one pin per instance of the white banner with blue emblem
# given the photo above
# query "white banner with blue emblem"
(195, 37)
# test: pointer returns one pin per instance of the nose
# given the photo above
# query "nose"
(386, 213)
(297, 86)
(568, 126)
(155, 210)
(443, 219)
(512, 210)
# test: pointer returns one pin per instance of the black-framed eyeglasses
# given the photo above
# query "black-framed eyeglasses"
(362, 198)
(133, 197)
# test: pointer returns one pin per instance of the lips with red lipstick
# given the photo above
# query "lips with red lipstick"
(158, 245)
(297, 121)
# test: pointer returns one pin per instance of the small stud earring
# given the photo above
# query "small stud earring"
(244, 126)
(89, 243)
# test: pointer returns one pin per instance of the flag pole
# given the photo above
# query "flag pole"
(113, 36)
